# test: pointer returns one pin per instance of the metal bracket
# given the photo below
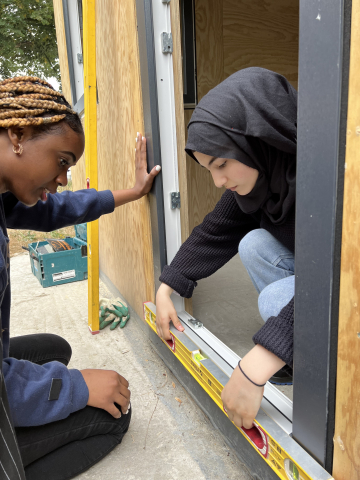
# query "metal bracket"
(165, 1)
(79, 58)
(175, 200)
(195, 323)
(166, 42)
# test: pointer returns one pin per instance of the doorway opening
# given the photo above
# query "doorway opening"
(218, 39)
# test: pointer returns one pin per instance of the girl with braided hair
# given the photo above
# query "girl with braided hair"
(58, 413)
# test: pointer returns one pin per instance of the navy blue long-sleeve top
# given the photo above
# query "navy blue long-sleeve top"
(27, 384)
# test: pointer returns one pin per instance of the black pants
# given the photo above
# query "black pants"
(63, 449)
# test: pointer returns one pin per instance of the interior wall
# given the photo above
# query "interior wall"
(259, 33)
(231, 35)
(125, 235)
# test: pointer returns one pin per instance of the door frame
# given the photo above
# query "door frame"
(321, 148)
(322, 115)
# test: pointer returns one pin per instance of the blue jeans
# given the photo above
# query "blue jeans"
(271, 269)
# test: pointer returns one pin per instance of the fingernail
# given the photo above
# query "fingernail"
(136, 139)
(137, 134)
(158, 168)
(135, 149)
(143, 138)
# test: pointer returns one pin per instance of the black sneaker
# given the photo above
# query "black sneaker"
(283, 376)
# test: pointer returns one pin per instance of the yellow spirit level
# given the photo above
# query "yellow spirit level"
(274, 445)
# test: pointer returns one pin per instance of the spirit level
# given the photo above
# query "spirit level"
(270, 435)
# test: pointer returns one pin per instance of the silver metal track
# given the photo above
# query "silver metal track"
(274, 403)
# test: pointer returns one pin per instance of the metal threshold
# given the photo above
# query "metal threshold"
(275, 404)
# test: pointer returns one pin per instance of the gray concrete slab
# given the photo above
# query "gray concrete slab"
(166, 439)
(226, 303)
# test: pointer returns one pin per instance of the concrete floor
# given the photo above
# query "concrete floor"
(226, 303)
(166, 439)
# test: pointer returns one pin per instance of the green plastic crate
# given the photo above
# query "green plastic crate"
(59, 267)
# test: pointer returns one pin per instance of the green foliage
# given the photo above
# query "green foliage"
(28, 236)
(28, 39)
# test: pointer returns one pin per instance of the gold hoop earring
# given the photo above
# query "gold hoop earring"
(18, 150)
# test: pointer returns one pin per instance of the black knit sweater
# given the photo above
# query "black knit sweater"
(214, 243)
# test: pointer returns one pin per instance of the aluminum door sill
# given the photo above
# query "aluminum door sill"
(275, 404)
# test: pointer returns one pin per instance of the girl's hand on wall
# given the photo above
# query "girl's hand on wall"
(165, 313)
(143, 180)
(107, 387)
(241, 398)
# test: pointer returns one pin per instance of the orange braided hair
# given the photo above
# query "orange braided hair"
(33, 101)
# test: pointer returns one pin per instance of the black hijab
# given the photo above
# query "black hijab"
(251, 117)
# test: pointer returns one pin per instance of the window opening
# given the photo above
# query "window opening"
(187, 25)
(79, 2)
(227, 302)
(73, 20)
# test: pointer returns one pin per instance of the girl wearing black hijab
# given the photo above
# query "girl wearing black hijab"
(244, 132)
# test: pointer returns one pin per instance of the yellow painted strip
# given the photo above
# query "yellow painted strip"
(89, 43)
(269, 450)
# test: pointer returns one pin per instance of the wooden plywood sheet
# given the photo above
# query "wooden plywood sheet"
(209, 44)
(259, 33)
(203, 195)
(125, 235)
(346, 464)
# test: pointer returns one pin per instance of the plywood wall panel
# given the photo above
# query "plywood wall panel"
(125, 235)
(203, 195)
(209, 44)
(346, 464)
(259, 33)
